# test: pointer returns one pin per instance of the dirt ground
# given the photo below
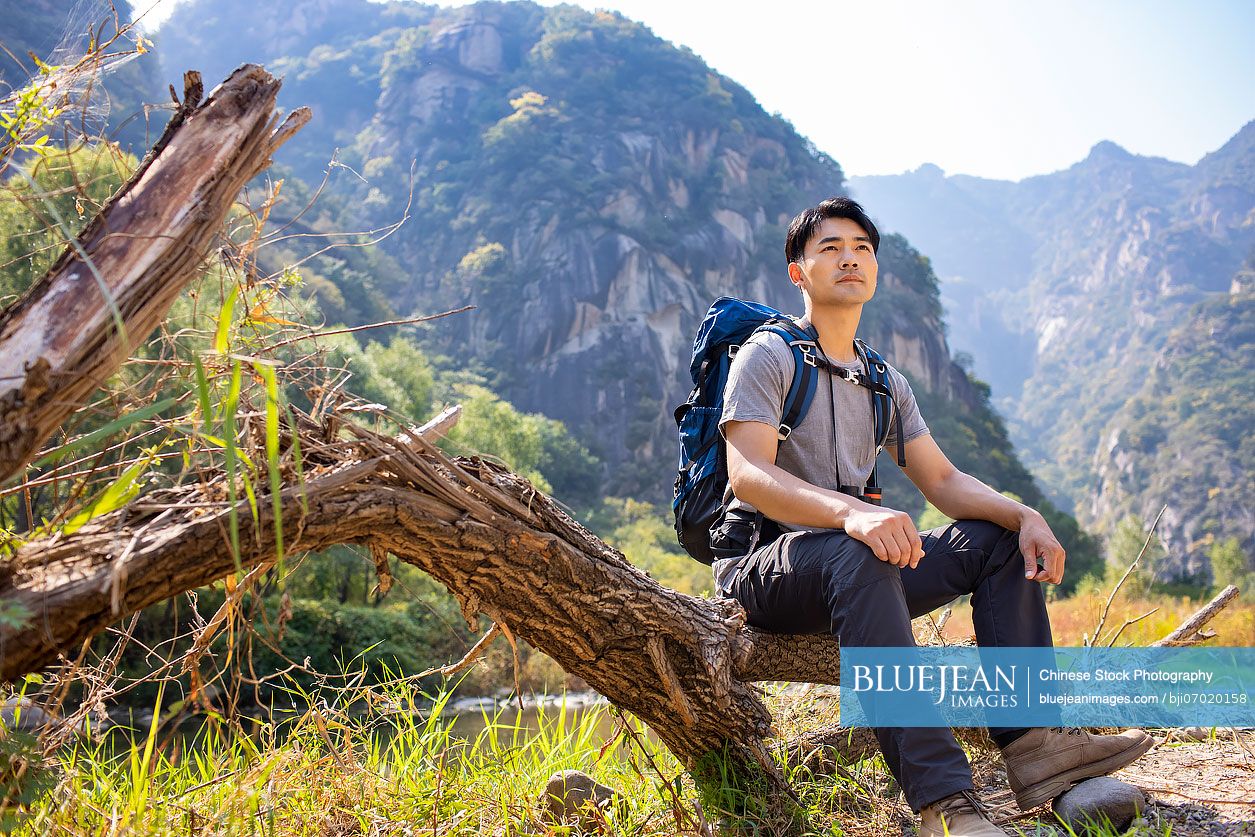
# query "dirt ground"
(1200, 788)
(1197, 784)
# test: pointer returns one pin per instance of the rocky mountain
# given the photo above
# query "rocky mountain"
(1184, 440)
(589, 187)
(1076, 294)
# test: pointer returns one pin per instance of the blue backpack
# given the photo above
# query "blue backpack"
(703, 473)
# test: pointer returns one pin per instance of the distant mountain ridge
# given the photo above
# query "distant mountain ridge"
(1070, 290)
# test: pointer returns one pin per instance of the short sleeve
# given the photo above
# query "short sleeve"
(913, 425)
(758, 381)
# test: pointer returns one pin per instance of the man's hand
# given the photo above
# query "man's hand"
(1039, 544)
(890, 534)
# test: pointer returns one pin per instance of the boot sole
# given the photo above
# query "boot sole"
(1047, 790)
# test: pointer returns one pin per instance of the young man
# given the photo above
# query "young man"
(822, 560)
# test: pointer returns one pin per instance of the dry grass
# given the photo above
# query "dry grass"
(1073, 619)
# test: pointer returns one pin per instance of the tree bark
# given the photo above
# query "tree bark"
(62, 339)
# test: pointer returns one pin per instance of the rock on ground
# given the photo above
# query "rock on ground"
(573, 797)
(1096, 800)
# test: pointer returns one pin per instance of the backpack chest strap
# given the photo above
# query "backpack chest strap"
(853, 376)
(884, 408)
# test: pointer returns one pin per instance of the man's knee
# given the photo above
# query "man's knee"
(976, 534)
(849, 563)
(975, 538)
(990, 551)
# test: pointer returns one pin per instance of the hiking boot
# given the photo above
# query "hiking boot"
(1045, 762)
(960, 815)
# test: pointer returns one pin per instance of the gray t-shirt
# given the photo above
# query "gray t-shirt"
(757, 383)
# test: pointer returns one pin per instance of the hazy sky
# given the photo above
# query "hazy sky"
(997, 88)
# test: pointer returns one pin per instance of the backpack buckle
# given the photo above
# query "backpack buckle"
(847, 375)
(808, 354)
(783, 432)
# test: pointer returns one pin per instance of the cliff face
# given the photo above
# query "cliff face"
(589, 187)
(1074, 292)
(597, 189)
(1183, 442)
(328, 52)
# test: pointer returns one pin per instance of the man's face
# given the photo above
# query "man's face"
(838, 265)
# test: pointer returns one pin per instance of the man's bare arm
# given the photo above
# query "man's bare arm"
(963, 497)
(781, 496)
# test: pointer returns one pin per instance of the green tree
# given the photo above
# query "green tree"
(399, 376)
(572, 471)
(643, 533)
(1230, 565)
(537, 447)
(1125, 545)
(492, 426)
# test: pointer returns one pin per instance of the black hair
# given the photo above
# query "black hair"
(808, 221)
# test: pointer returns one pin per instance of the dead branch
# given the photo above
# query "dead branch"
(1191, 630)
(114, 284)
(1102, 617)
(826, 749)
(385, 324)
(469, 658)
(438, 427)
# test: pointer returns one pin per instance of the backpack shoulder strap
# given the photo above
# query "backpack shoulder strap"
(805, 375)
(884, 405)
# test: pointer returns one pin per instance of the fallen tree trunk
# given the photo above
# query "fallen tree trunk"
(504, 550)
(681, 664)
(114, 284)
(507, 552)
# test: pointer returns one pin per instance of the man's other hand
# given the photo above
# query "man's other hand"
(890, 534)
(1039, 545)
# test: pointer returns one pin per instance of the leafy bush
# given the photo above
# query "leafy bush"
(48, 202)
(646, 537)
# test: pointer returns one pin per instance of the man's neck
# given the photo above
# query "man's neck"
(836, 328)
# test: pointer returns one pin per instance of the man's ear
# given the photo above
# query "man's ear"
(795, 274)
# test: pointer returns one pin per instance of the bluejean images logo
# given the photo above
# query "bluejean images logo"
(953, 685)
(1018, 687)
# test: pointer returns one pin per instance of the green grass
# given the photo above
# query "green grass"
(402, 768)
(327, 772)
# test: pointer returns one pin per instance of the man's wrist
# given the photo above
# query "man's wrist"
(846, 506)
(1026, 516)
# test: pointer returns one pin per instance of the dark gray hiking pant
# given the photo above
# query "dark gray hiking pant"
(813, 582)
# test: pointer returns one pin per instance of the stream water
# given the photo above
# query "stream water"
(468, 718)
